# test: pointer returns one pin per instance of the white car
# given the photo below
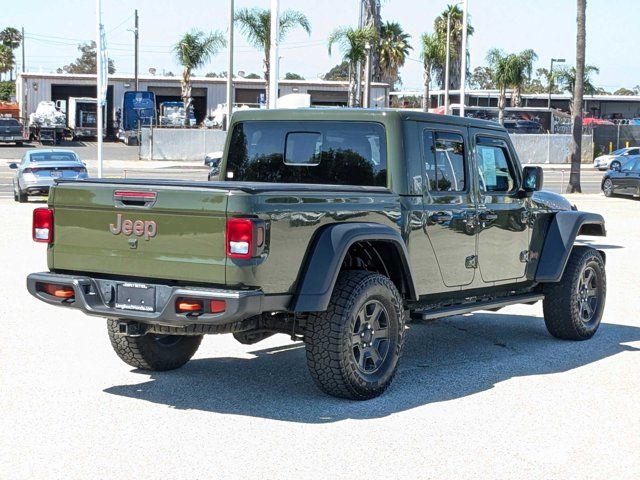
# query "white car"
(616, 158)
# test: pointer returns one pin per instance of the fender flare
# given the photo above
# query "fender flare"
(561, 235)
(325, 256)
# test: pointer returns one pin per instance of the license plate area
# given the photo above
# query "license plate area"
(56, 174)
(136, 296)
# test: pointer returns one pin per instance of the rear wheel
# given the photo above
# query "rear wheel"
(573, 307)
(607, 188)
(354, 347)
(615, 164)
(153, 351)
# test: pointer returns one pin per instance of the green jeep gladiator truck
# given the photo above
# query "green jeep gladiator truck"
(333, 226)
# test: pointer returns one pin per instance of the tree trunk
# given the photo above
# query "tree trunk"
(502, 101)
(576, 114)
(267, 75)
(516, 98)
(372, 17)
(352, 85)
(186, 94)
(426, 99)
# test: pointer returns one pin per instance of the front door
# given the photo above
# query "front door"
(448, 202)
(503, 218)
(625, 179)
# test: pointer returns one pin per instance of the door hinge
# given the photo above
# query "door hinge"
(471, 261)
(524, 256)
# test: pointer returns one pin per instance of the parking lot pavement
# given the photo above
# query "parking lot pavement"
(489, 395)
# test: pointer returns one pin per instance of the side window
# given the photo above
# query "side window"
(444, 161)
(634, 151)
(495, 168)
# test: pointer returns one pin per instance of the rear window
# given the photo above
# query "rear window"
(9, 122)
(53, 157)
(321, 152)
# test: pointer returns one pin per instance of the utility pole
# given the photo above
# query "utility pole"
(273, 54)
(446, 66)
(359, 63)
(366, 100)
(99, 67)
(230, 66)
(23, 69)
(135, 36)
(463, 52)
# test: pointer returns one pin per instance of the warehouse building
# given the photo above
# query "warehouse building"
(207, 93)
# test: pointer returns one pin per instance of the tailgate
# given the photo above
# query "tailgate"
(153, 231)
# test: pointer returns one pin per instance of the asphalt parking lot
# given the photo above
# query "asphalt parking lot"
(489, 395)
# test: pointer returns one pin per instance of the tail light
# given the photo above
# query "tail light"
(245, 238)
(42, 225)
(55, 290)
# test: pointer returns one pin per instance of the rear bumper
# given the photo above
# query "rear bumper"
(96, 296)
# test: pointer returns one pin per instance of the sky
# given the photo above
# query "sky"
(53, 30)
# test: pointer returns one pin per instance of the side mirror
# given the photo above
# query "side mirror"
(13, 166)
(532, 178)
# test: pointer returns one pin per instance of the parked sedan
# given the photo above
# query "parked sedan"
(616, 158)
(623, 180)
(39, 168)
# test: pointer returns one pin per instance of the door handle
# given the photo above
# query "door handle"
(488, 216)
(440, 217)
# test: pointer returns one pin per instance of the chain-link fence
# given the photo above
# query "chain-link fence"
(179, 143)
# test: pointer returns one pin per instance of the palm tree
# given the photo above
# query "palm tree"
(522, 69)
(578, 90)
(7, 59)
(256, 26)
(566, 79)
(373, 18)
(440, 27)
(193, 51)
(431, 54)
(11, 38)
(353, 44)
(393, 50)
(502, 69)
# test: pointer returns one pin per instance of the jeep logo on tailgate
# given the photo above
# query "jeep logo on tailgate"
(141, 228)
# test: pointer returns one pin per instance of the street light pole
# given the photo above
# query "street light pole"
(230, 67)
(463, 52)
(273, 54)
(446, 66)
(135, 36)
(553, 60)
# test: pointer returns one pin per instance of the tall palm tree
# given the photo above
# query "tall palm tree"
(11, 38)
(393, 50)
(353, 44)
(566, 80)
(373, 18)
(193, 51)
(503, 73)
(578, 89)
(255, 23)
(522, 69)
(455, 57)
(431, 54)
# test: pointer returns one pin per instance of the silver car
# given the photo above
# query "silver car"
(39, 168)
(616, 158)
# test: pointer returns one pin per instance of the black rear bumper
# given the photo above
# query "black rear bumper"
(96, 296)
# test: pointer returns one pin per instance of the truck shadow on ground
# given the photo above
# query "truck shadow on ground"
(443, 360)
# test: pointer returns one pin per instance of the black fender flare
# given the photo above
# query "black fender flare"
(325, 256)
(558, 243)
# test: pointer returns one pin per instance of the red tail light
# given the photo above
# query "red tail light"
(42, 225)
(240, 238)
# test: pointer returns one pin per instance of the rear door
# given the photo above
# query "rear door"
(149, 231)
(503, 233)
(448, 201)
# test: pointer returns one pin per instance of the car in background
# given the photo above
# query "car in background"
(11, 130)
(616, 158)
(212, 160)
(39, 168)
(623, 180)
(523, 126)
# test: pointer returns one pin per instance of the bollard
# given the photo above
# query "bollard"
(626, 144)
(562, 181)
(610, 147)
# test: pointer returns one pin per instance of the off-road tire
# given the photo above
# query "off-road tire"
(607, 188)
(153, 351)
(563, 314)
(330, 351)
